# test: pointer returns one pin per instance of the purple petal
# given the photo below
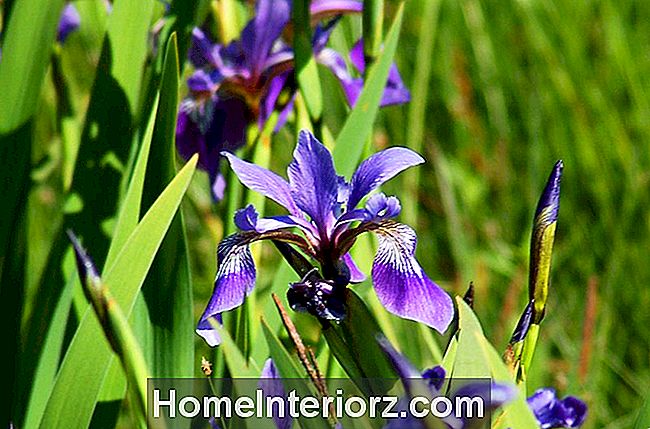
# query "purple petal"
(235, 281)
(210, 127)
(395, 91)
(231, 118)
(189, 139)
(203, 52)
(218, 185)
(322, 34)
(574, 410)
(549, 202)
(335, 62)
(378, 169)
(401, 285)
(201, 128)
(552, 413)
(313, 181)
(271, 385)
(356, 275)
(200, 81)
(494, 394)
(403, 367)
(246, 218)
(271, 16)
(271, 97)
(357, 58)
(320, 9)
(279, 61)
(263, 181)
(284, 113)
(69, 22)
(380, 207)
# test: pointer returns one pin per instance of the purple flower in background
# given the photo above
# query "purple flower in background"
(323, 207)
(430, 382)
(249, 79)
(69, 22)
(394, 93)
(552, 412)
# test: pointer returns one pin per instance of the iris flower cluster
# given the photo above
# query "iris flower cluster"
(325, 217)
(242, 83)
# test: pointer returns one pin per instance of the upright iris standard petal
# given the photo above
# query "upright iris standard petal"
(246, 218)
(378, 169)
(69, 22)
(271, 16)
(401, 285)
(381, 207)
(313, 180)
(265, 182)
(552, 412)
(202, 51)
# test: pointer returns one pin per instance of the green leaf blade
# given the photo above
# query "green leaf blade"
(87, 360)
(358, 126)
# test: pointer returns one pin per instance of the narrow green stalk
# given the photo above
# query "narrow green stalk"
(418, 105)
(116, 328)
(373, 27)
(306, 69)
(530, 342)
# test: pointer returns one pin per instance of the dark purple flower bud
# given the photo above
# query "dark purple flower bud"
(550, 199)
(85, 265)
(435, 376)
(541, 243)
(552, 412)
(69, 22)
(524, 324)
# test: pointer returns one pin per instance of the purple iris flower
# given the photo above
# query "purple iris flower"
(69, 22)
(552, 412)
(494, 395)
(395, 91)
(323, 207)
(249, 79)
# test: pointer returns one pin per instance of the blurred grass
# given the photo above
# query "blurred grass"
(512, 86)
